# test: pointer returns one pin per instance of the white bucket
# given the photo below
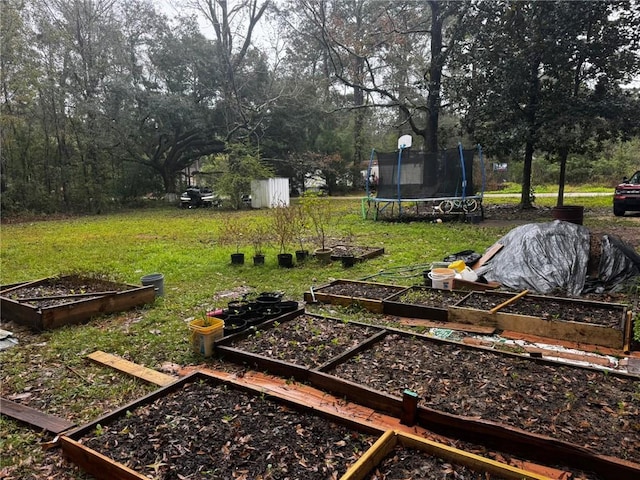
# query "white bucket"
(442, 278)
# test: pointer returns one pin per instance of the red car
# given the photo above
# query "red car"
(627, 195)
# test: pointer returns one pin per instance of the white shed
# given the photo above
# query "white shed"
(269, 193)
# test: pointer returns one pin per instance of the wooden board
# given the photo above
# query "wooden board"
(373, 305)
(133, 369)
(363, 468)
(463, 327)
(34, 417)
(488, 255)
(98, 465)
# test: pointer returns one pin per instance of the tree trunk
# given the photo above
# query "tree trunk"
(525, 199)
(564, 154)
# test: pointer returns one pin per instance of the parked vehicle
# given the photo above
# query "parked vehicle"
(195, 197)
(627, 195)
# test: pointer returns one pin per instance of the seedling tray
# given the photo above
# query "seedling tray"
(369, 295)
(69, 306)
(552, 325)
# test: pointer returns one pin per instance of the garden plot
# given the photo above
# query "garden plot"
(589, 408)
(68, 300)
(369, 295)
(203, 428)
(595, 323)
(422, 302)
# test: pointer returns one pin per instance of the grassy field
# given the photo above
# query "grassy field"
(51, 368)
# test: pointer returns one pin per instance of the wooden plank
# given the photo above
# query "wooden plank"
(372, 457)
(96, 464)
(464, 327)
(628, 333)
(488, 255)
(133, 369)
(509, 301)
(34, 417)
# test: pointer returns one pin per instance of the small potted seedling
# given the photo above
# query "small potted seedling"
(233, 232)
(283, 222)
(259, 234)
(318, 209)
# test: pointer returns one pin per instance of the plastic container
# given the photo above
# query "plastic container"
(468, 275)
(155, 279)
(203, 337)
(458, 266)
(442, 278)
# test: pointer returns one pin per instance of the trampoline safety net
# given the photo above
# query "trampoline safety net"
(448, 173)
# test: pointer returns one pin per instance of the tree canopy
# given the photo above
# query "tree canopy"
(104, 101)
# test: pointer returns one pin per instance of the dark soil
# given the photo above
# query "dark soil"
(549, 309)
(589, 408)
(430, 297)
(360, 253)
(211, 431)
(77, 288)
(406, 463)
(361, 290)
(306, 340)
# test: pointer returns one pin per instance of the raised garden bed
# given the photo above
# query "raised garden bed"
(422, 302)
(369, 295)
(359, 253)
(521, 405)
(594, 409)
(201, 427)
(54, 302)
(306, 340)
(584, 321)
(400, 456)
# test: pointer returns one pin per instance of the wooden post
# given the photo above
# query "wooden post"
(409, 408)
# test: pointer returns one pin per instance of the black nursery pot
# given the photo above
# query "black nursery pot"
(258, 259)
(302, 255)
(237, 259)
(268, 300)
(288, 306)
(234, 326)
(285, 260)
(237, 306)
(271, 312)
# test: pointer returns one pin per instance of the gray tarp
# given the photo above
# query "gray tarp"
(554, 256)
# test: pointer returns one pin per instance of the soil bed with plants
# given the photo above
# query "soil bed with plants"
(589, 408)
(549, 308)
(306, 340)
(214, 431)
(360, 290)
(403, 463)
(63, 290)
(360, 253)
(429, 297)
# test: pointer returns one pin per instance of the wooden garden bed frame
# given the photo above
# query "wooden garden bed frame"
(558, 329)
(370, 304)
(371, 252)
(502, 437)
(74, 312)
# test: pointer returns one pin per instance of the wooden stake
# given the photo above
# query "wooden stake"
(511, 300)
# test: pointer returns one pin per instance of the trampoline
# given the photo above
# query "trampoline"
(408, 185)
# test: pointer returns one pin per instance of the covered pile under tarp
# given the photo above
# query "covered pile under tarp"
(554, 256)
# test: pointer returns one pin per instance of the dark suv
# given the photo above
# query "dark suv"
(627, 195)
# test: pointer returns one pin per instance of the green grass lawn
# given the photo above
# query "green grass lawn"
(185, 246)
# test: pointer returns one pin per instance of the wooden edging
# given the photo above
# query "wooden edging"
(297, 396)
(390, 439)
(34, 417)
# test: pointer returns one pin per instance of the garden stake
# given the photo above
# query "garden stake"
(511, 300)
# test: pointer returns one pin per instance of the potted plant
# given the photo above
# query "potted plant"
(300, 229)
(233, 232)
(282, 217)
(259, 234)
(318, 209)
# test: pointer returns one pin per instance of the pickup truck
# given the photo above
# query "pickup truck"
(627, 195)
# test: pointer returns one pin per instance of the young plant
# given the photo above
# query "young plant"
(259, 235)
(319, 211)
(233, 232)
(282, 222)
